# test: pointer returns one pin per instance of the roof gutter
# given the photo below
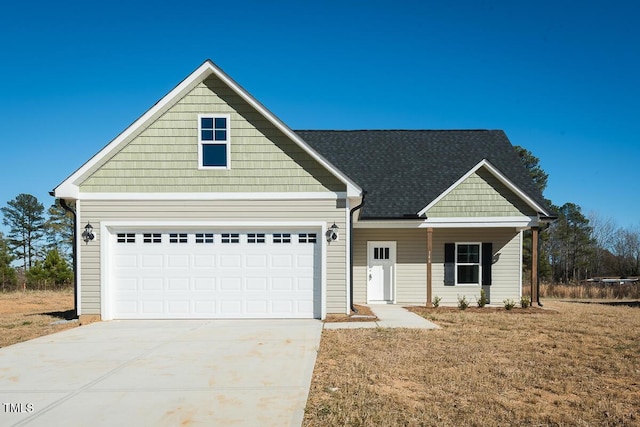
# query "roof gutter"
(351, 212)
(68, 208)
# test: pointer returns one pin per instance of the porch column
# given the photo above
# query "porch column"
(429, 251)
(534, 265)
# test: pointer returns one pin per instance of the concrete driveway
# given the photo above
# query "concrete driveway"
(162, 373)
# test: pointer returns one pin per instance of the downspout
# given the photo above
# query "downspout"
(364, 194)
(68, 208)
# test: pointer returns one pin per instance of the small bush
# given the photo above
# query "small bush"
(436, 301)
(483, 299)
(463, 304)
(525, 302)
(509, 304)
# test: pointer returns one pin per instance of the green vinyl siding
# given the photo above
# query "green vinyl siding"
(480, 195)
(164, 156)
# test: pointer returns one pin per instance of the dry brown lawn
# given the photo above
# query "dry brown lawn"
(25, 315)
(364, 314)
(573, 365)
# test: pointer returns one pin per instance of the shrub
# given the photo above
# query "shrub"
(509, 304)
(483, 299)
(436, 301)
(525, 302)
(463, 304)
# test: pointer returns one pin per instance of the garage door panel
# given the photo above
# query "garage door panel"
(204, 283)
(152, 261)
(178, 261)
(245, 278)
(178, 284)
(204, 261)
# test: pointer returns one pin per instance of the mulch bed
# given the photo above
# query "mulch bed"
(515, 310)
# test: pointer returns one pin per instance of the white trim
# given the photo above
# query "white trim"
(392, 244)
(214, 196)
(520, 253)
(489, 222)
(226, 142)
(106, 249)
(495, 172)
(78, 259)
(519, 222)
(456, 264)
(69, 189)
(348, 251)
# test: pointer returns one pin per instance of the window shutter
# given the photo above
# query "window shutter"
(449, 264)
(487, 260)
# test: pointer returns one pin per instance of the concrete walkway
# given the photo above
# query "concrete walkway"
(390, 316)
(162, 373)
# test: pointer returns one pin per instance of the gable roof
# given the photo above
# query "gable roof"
(69, 188)
(405, 171)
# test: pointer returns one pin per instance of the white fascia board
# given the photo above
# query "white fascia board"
(213, 196)
(352, 188)
(387, 224)
(499, 175)
(68, 189)
(148, 225)
(519, 222)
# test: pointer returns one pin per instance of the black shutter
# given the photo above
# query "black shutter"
(487, 260)
(449, 264)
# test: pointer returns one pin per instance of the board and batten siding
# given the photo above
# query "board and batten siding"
(238, 211)
(480, 195)
(163, 157)
(411, 263)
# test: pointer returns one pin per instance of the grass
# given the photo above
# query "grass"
(567, 365)
(25, 315)
(364, 314)
(587, 291)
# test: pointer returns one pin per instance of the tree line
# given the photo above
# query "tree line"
(579, 246)
(36, 251)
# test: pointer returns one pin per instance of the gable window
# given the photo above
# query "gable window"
(213, 141)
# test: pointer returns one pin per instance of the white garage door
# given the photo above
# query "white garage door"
(215, 274)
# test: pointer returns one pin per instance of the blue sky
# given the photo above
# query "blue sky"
(561, 80)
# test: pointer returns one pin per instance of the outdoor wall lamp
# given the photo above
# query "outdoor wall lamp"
(332, 233)
(87, 234)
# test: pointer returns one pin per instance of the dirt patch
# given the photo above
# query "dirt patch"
(364, 314)
(566, 364)
(25, 315)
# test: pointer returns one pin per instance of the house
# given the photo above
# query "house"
(209, 206)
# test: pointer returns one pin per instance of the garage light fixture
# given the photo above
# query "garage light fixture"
(87, 234)
(332, 233)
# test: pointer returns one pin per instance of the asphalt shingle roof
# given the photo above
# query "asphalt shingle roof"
(404, 170)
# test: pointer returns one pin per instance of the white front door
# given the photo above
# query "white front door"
(381, 271)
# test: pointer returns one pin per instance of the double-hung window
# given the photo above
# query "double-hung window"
(214, 141)
(468, 263)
